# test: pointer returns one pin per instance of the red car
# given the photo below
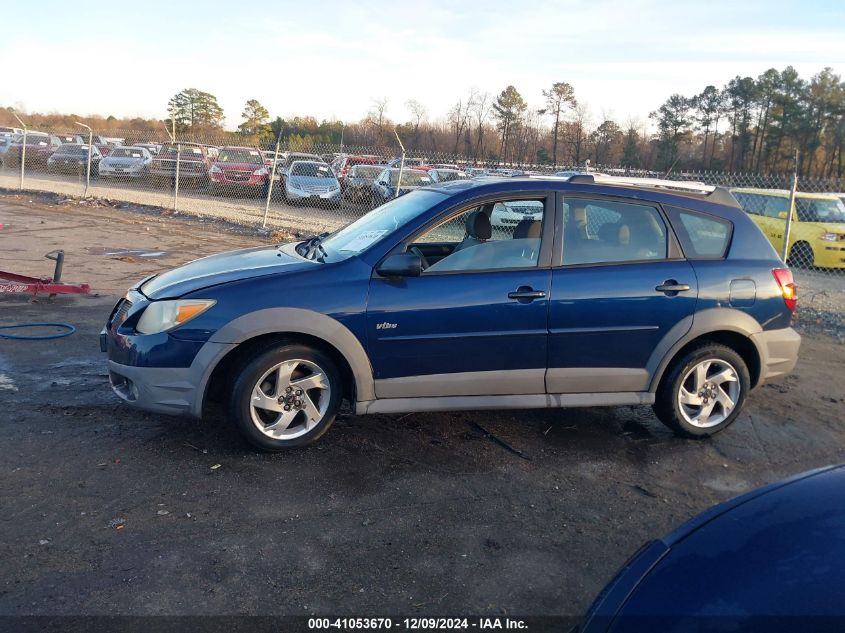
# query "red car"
(39, 147)
(341, 164)
(239, 168)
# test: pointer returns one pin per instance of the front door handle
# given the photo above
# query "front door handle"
(526, 294)
(671, 287)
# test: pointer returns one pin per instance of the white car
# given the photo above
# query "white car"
(509, 214)
(126, 162)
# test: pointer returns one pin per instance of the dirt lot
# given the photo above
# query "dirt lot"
(104, 509)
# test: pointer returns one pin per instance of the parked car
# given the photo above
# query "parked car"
(311, 181)
(73, 158)
(769, 560)
(39, 147)
(10, 131)
(194, 163)
(476, 172)
(358, 184)
(442, 174)
(71, 139)
(239, 169)
(127, 162)
(627, 293)
(817, 233)
(290, 158)
(342, 164)
(409, 162)
(510, 214)
(152, 148)
(384, 187)
(446, 166)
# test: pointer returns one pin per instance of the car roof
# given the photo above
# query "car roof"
(646, 188)
(249, 149)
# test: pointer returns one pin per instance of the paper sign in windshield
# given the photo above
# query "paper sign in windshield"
(363, 241)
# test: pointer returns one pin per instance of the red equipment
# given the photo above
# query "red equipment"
(21, 284)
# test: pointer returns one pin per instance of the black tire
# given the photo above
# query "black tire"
(667, 406)
(252, 370)
(801, 255)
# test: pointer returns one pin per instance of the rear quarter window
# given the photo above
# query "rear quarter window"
(702, 236)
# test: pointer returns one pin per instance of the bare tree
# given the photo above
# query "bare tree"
(459, 117)
(418, 114)
(377, 116)
(480, 111)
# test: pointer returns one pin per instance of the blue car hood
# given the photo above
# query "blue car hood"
(224, 267)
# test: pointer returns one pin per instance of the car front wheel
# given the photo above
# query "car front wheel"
(703, 391)
(286, 397)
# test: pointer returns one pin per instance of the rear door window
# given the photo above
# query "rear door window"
(702, 236)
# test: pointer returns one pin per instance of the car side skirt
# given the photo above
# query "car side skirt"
(526, 401)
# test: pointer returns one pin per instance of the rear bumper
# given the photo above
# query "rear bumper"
(779, 352)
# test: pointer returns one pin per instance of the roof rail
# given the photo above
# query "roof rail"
(719, 195)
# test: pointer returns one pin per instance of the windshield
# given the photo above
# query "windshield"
(371, 228)
(126, 152)
(821, 210)
(366, 172)
(410, 178)
(445, 175)
(186, 149)
(311, 170)
(252, 156)
(73, 150)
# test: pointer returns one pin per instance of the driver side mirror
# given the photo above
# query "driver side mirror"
(401, 265)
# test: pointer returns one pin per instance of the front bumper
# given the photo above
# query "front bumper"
(779, 352)
(158, 372)
(297, 194)
(120, 172)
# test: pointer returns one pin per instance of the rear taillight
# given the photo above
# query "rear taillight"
(787, 287)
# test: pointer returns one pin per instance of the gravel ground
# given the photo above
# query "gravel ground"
(104, 509)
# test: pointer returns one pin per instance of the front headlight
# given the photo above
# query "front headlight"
(161, 316)
(215, 169)
(829, 237)
(261, 171)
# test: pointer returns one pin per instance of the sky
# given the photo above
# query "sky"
(332, 59)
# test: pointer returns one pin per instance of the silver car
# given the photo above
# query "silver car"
(311, 181)
(126, 162)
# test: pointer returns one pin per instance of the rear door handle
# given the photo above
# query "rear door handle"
(525, 294)
(671, 287)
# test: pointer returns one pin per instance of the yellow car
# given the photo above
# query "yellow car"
(817, 233)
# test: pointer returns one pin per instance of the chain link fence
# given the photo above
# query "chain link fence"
(306, 189)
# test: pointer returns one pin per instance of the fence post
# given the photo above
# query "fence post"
(272, 178)
(401, 163)
(785, 251)
(176, 178)
(23, 148)
(90, 153)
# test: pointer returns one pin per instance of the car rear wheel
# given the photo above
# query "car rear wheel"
(702, 392)
(286, 397)
(801, 255)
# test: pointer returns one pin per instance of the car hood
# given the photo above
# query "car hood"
(225, 267)
(311, 180)
(123, 161)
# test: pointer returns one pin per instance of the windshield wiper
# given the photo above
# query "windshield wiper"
(312, 247)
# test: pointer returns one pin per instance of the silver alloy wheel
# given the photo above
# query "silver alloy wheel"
(290, 399)
(709, 393)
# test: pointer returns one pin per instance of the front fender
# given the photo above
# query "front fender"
(298, 321)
